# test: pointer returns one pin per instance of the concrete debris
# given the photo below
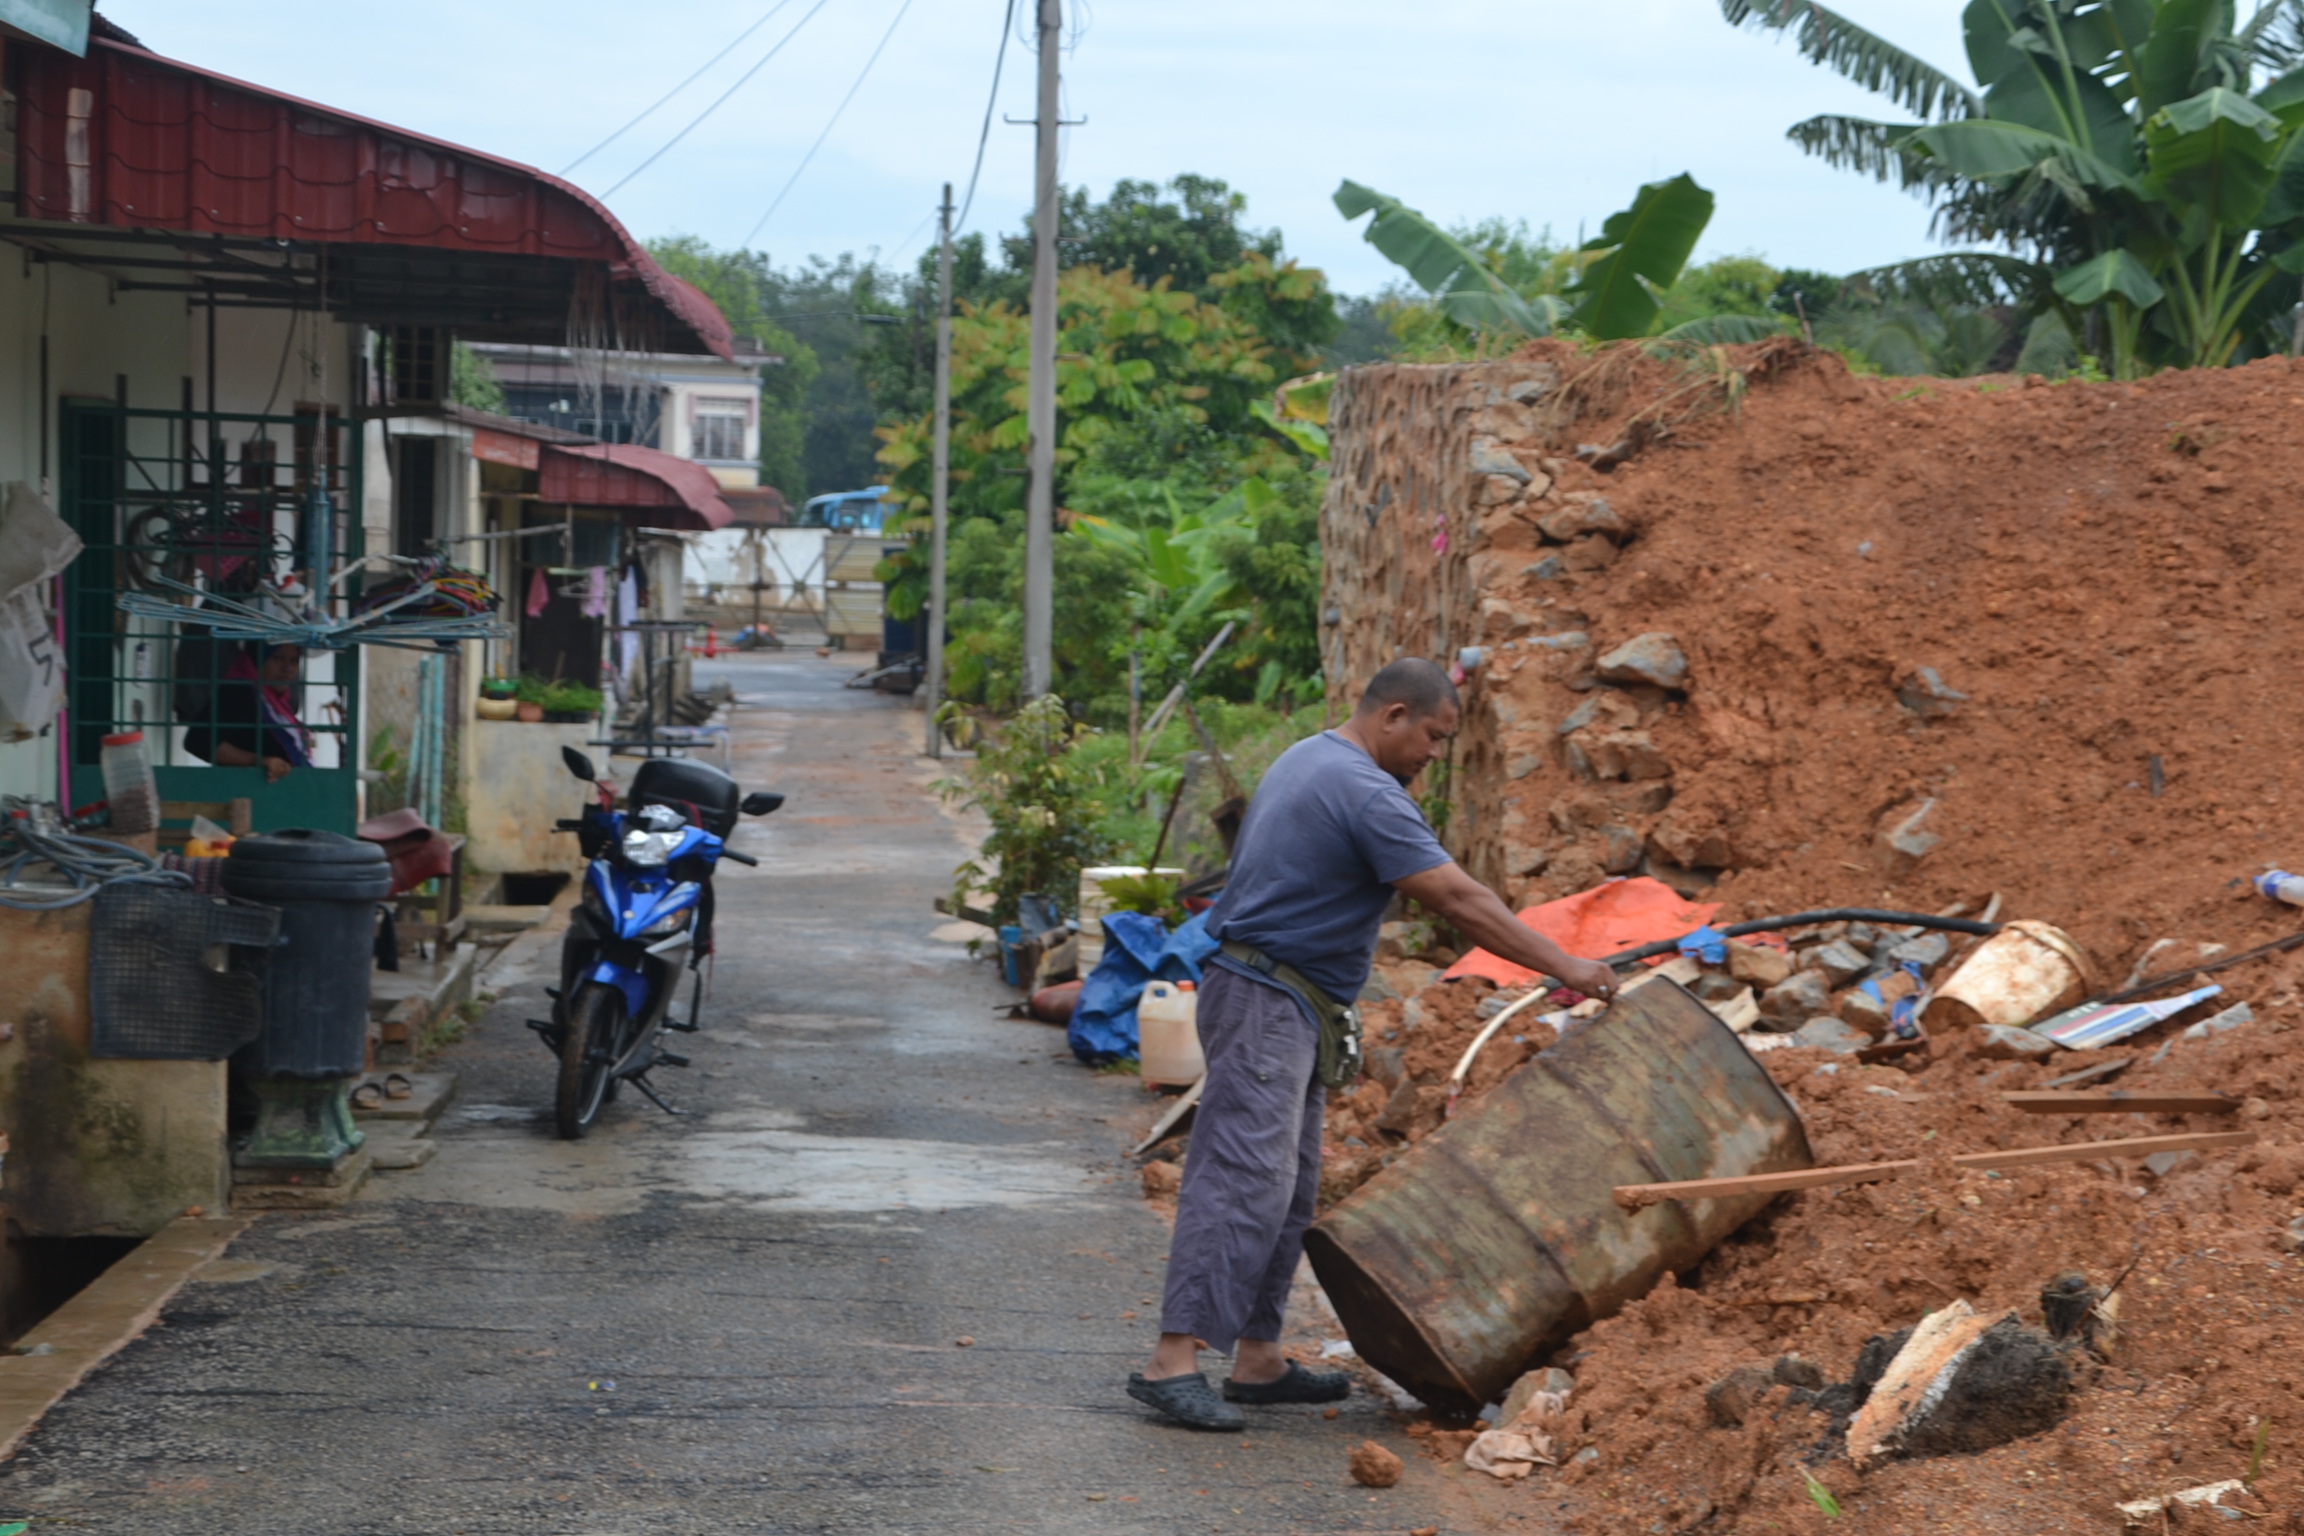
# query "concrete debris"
(1956, 1383)
(2155, 1511)
(1654, 658)
(1926, 950)
(1375, 1467)
(1861, 1010)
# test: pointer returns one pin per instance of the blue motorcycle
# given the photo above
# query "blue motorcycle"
(645, 915)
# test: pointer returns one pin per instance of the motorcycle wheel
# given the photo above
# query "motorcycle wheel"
(590, 1046)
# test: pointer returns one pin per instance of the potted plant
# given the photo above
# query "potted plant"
(530, 694)
(499, 699)
(570, 703)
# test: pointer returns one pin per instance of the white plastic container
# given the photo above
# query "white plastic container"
(1168, 1034)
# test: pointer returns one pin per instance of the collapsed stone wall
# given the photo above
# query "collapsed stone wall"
(1795, 638)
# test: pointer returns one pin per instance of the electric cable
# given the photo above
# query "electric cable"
(717, 101)
(676, 90)
(746, 242)
(87, 864)
(984, 134)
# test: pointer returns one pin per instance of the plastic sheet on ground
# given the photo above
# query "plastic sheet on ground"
(1137, 950)
(1613, 916)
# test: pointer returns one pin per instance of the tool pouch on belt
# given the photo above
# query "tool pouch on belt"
(1338, 1065)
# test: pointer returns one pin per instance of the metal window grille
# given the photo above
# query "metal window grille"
(219, 503)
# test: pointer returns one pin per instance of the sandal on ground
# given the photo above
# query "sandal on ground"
(399, 1085)
(1294, 1385)
(1188, 1400)
(368, 1096)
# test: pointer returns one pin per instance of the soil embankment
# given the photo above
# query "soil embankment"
(1941, 640)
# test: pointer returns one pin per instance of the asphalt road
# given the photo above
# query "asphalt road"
(745, 1319)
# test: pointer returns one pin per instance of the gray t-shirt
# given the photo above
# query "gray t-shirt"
(1328, 833)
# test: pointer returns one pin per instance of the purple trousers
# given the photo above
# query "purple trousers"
(1252, 1170)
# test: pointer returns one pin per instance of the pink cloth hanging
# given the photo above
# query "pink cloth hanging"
(539, 593)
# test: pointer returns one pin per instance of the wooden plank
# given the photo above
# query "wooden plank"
(1633, 1197)
(2118, 1101)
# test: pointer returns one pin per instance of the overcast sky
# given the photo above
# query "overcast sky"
(1552, 111)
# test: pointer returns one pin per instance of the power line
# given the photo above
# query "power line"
(723, 96)
(676, 90)
(898, 254)
(984, 134)
(828, 127)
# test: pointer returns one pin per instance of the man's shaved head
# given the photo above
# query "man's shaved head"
(1413, 681)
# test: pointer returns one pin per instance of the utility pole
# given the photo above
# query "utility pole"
(940, 493)
(1040, 404)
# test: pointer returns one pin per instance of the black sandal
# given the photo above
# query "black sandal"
(1294, 1385)
(1189, 1400)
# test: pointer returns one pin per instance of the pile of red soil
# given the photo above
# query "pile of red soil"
(2066, 615)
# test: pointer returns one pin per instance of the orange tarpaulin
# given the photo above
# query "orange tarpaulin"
(1595, 924)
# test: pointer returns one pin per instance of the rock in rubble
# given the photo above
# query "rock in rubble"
(1414, 1111)
(1927, 695)
(1713, 987)
(1547, 569)
(1838, 960)
(1581, 513)
(1926, 950)
(1161, 1178)
(1373, 1466)
(1796, 999)
(1799, 1371)
(1620, 849)
(1825, 1033)
(1861, 1010)
(1758, 966)
(1506, 419)
(1904, 837)
(1608, 711)
(1593, 552)
(1489, 458)
(2001, 1042)
(1387, 1064)
(1731, 1399)
(1654, 658)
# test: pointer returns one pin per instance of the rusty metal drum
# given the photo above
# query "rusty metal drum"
(1497, 1237)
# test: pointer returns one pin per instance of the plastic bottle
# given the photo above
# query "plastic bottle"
(1168, 1034)
(2281, 886)
(128, 783)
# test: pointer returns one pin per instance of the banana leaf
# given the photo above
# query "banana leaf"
(1644, 249)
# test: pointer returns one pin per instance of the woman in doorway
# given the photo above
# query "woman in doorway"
(255, 722)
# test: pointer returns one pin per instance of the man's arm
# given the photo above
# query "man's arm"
(1478, 913)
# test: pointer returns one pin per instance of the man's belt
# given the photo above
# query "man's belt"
(1339, 1059)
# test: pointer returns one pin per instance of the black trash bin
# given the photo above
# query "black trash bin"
(315, 1036)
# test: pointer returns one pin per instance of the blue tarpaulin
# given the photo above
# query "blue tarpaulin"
(1137, 950)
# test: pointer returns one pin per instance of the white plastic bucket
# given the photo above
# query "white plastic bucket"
(2026, 971)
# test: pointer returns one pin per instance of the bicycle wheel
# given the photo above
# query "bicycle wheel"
(594, 1039)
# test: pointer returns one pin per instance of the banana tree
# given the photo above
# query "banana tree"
(1621, 275)
(2134, 166)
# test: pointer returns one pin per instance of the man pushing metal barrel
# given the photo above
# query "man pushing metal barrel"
(1331, 836)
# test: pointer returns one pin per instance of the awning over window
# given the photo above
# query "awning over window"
(658, 490)
(295, 204)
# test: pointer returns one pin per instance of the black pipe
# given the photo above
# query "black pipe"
(1827, 915)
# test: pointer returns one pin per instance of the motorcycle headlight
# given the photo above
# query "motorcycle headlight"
(644, 849)
(667, 925)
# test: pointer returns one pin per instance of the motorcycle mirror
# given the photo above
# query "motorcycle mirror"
(760, 803)
(578, 764)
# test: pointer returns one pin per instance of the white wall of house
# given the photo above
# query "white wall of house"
(713, 417)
